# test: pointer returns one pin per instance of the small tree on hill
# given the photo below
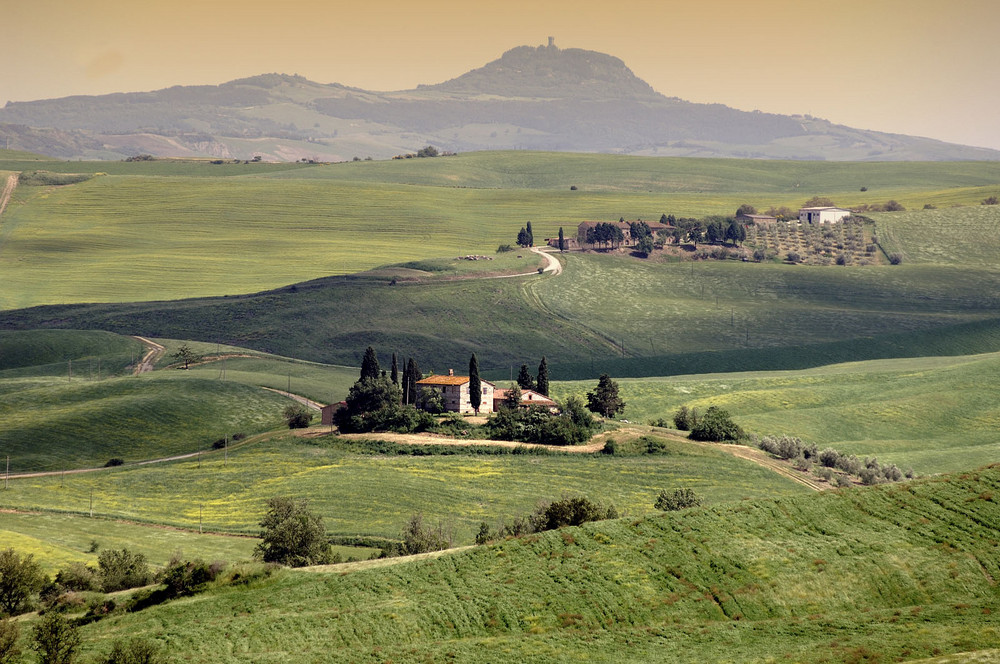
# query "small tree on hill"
(542, 384)
(604, 399)
(56, 639)
(745, 209)
(524, 378)
(121, 569)
(186, 355)
(562, 240)
(522, 238)
(475, 385)
(10, 652)
(20, 579)
(291, 534)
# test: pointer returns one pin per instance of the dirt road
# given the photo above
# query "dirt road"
(8, 191)
(151, 357)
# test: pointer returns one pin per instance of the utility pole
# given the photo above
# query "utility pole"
(200, 531)
(6, 477)
(91, 503)
(226, 460)
(70, 379)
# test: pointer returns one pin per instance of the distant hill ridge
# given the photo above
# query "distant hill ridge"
(531, 98)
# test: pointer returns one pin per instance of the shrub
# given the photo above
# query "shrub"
(78, 577)
(679, 499)
(653, 445)
(610, 447)
(20, 579)
(116, 461)
(484, 535)
(869, 476)
(843, 482)
(121, 569)
(684, 418)
(895, 258)
(291, 534)
(297, 416)
(716, 426)
(134, 651)
(841, 259)
(824, 473)
(829, 457)
(992, 200)
(794, 257)
(850, 464)
(569, 512)
(893, 206)
(188, 577)
(504, 248)
(418, 538)
(759, 254)
(9, 633)
(56, 640)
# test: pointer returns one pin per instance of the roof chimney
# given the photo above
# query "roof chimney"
(451, 372)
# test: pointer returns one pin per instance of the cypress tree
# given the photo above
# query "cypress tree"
(475, 385)
(531, 236)
(524, 378)
(543, 377)
(369, 365)
(562, 240)
(415, 375)
(406, 382)
(394, 375)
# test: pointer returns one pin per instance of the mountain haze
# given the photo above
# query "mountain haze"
(532, 98)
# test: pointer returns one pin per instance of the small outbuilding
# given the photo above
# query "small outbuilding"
(528, 398)
(326, 412)
(820, 215)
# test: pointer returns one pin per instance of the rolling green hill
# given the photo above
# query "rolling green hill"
(893, 573)
(141, 232)
(932, 414)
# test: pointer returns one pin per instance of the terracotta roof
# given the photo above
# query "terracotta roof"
(449, 380)
(527, 397)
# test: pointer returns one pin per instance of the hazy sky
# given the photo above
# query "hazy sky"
(922, 67)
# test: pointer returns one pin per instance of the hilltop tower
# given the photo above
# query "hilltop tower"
(552, 42)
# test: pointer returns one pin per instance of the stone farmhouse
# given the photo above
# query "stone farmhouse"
(528, 398)
(819, 215)
(455, 392)
(654, 226)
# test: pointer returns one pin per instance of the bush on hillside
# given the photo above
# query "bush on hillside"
(20, 579)
(571, 511)
(9, 634)
(895, 258)
(188, 577)
(55, 639)
(716, 426)
(121, 569)
(291, 534)
(297, 416)
(679, 499)
(136, 650)
(421, 538)
(684, 418)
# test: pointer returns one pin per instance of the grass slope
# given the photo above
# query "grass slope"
(934, 414)
(141, 232)
(376, 495)
(50, 352)
(893, 573)
(54, 424)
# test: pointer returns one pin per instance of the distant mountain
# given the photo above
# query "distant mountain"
(533, 98)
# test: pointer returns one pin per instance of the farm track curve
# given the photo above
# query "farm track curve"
(8, 191)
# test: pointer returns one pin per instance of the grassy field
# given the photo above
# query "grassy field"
(894, 573)
(50, 352)
(968, 236)
(140, 232)
(56, 540)
(55, 424)
(934, 414)
(365, 494)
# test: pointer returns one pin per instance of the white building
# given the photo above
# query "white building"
(819, 215)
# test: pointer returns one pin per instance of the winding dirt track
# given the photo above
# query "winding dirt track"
(8, 191)
(152, 355)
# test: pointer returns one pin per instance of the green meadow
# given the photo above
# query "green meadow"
(932, 414)
(360, 493)
(891, 573)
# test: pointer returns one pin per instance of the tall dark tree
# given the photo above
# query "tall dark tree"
(522, 238)
(745, 209)
(475, 385)
(394, 375)
(524, 378)
(369, 365)
(543, 377)
(562, 240)
(414, 375)
(604, 400)
(531, 235)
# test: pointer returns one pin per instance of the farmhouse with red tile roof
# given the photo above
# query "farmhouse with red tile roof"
(455, 392)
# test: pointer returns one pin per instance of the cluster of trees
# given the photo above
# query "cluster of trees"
(715, 425)
(525, 236)
(606, 235)
(569, 511)
(539, 384)
(807, 457)
(573, 425)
